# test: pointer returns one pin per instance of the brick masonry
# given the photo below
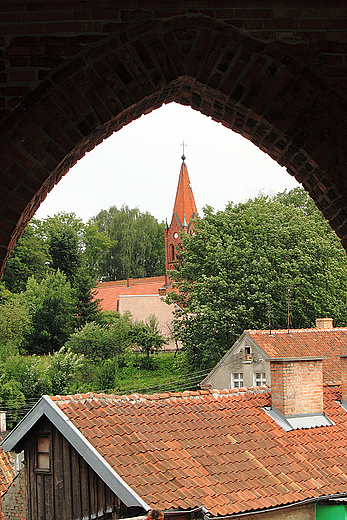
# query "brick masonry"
(297, 386)
(72, 73)
(14, 501)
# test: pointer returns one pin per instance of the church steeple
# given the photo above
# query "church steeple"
(183, 213)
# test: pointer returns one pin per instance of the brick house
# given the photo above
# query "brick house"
(247, 362)
(238, 453)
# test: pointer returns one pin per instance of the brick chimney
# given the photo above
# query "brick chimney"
(129, 282)
(324, 323)
(297, 385)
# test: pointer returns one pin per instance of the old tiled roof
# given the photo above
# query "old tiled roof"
(109, 292)
(6, 471)
(306, 342)
(216, 448)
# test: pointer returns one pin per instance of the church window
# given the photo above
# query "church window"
(237, 380)
(172, 253)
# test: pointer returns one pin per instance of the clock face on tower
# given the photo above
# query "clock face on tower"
(175, 235)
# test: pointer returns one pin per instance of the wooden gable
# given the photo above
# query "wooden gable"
(66, 487)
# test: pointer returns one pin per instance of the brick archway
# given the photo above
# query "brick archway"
(74, 85)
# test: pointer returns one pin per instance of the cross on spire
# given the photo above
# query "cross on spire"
(183, 156)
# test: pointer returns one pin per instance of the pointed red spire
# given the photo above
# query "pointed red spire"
(184, 206)
(183, 213)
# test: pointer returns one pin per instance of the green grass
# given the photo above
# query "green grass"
(160, 372)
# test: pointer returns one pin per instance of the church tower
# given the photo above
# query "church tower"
(183, 213)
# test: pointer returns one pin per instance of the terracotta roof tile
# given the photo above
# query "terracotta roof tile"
(306, 342)
(109, 292)
(218, 449)
(7, 473)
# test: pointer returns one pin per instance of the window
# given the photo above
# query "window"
(42, 453)
(172, 253)
(248, 354)
(260, 379)
(237, 380)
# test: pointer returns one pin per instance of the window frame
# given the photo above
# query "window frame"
(37, 453)
(261, 380)
(238, 379)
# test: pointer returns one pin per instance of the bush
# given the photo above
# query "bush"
(61, 370)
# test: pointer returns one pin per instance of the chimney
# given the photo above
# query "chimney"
(129, 282)
(324, 323)
(297, 385)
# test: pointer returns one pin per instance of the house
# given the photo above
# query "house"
(208, 454)
(144, 296)
(246, 362)
(141, 297)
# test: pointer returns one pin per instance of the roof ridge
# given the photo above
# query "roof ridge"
(137, 397)
(294, 331)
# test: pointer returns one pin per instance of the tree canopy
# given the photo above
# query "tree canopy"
(273, 254)
(137, 240)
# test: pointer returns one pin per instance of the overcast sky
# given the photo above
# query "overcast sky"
(139, 166)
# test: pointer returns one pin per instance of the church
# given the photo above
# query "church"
(143, 297)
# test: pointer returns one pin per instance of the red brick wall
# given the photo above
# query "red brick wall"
(297, 386)
(72, 73)
(14, 501)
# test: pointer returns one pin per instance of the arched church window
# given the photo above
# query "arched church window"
(172, 252)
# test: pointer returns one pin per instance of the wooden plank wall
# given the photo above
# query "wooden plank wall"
(71, 489)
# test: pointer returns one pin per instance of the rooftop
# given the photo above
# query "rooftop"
(330, 343)
(217, 448)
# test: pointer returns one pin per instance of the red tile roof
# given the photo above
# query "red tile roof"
(7, 473)
(216, 448)
(306, 342)
(109, 292)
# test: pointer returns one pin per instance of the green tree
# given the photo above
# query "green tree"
(64, 251)
(96, 246)
(15, 324)
(29, 257)
(87, 307)
(148, 336)
(103, 341)
(251, 256)
(11, 399)
(137, 244)
(52, 308)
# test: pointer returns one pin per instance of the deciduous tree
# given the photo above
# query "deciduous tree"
(270, 251)
(137, 248)
(52, 308)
